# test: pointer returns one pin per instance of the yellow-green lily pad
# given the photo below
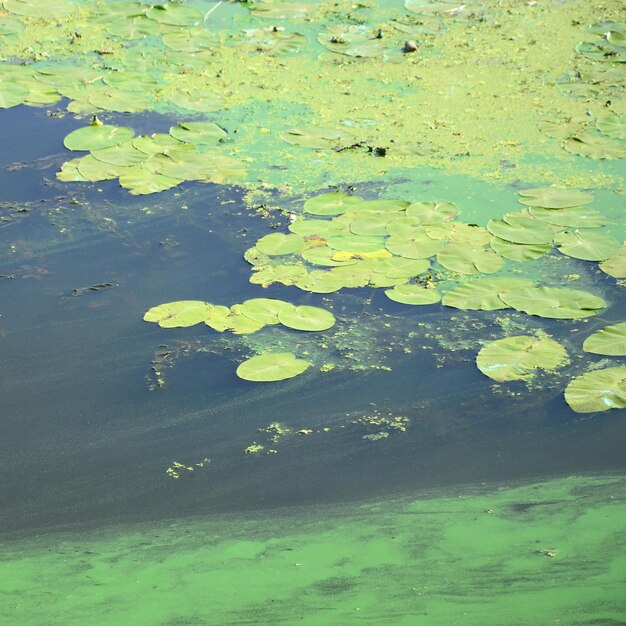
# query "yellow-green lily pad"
(179, 314)
(272, 367)
(616, 265)
(518, 357)
(413, 294)
(610, 340)
(95, 137)
(554, 198)
(599, 390)
(310, 318)
(482, 294)
(553, 302)
(586, 245)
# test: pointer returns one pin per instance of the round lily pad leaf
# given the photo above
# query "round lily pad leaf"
(586, 245)
(611, 340)
(553, 302)
(574, 217)
(133, 28)
(418, 246)
(10, 26)
(413, 294)
(369, 225)
(277, 244)
(554, 198)
(332, 203)
(317, 137)
(519, 252)
(96, 137)
(280, 9)
(174, 14)
(612, 125)
(458, 232)
(158, 143)
(122, 154)
(94, 170)
(355, 243)
(201, 101)
(353, 41)
(69, 172)
(432, 212)
(320, 229)
(323, 255)
(615, 266)
(264, 310)
(399, 267)
(205, 133)
(142, 180)
(466, 259)
(598, 390)
(319, 281)
(11, 94)
(234, 321)
(267, 368)
(374, 255)
(482, 294)
(595, 146)
(518, 228)
(304, 317)
(405, 227)
(274, 42)
(518, 357)
(192, 40)
(37, 8)
(179, 314)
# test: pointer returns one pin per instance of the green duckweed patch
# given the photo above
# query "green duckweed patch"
(543, 552)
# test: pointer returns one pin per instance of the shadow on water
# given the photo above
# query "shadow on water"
(86, 442)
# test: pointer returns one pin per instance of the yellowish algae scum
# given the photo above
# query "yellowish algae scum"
(545, 553)
(471, 96)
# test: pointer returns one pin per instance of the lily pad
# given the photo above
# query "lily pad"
(304, 317)
(432, 212)
(96, 137)
(413, 294)
(611, 340)
(37, 8)
(122, 154)
(280, 10)
(179, 314)
(518, 228)
(615, 266)
(323, 255)
(321, 229)
(264, 310)
(355, 243)
(369, 225)
(277, 244)
(174, 14)
(133, 28)
(202, 101)
(575, 217)
(586, 245)
(399, 267)
(332, 203)
(274, 42)
(518, 357)
(92, 169)
(482, 294)
(599, 390)
(271, 367)
(353, 41)
(205, 133)
(317, 137)
(140, 180)
(554, 198)
(553, 302)
(10, 26)
(418, 246)
(594, 147)
(612, 125)
(466, 259)
(11, 94)
(319, 281)
(519, 252)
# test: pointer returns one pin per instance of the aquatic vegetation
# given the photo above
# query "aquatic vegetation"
(599, 390)
(272, 367)
(517, 357)
(610, 340)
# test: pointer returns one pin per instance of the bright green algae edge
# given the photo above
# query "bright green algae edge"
(549, 552)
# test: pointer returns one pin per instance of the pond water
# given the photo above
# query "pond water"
(393, 482)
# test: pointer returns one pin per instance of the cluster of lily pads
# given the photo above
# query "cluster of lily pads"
(149, 163)
(389, 243)
(597, 135)
(342, 241)
(245, 318)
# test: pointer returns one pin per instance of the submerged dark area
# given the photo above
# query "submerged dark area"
(86, 442)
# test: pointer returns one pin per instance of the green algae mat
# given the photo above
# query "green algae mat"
(545, 553)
